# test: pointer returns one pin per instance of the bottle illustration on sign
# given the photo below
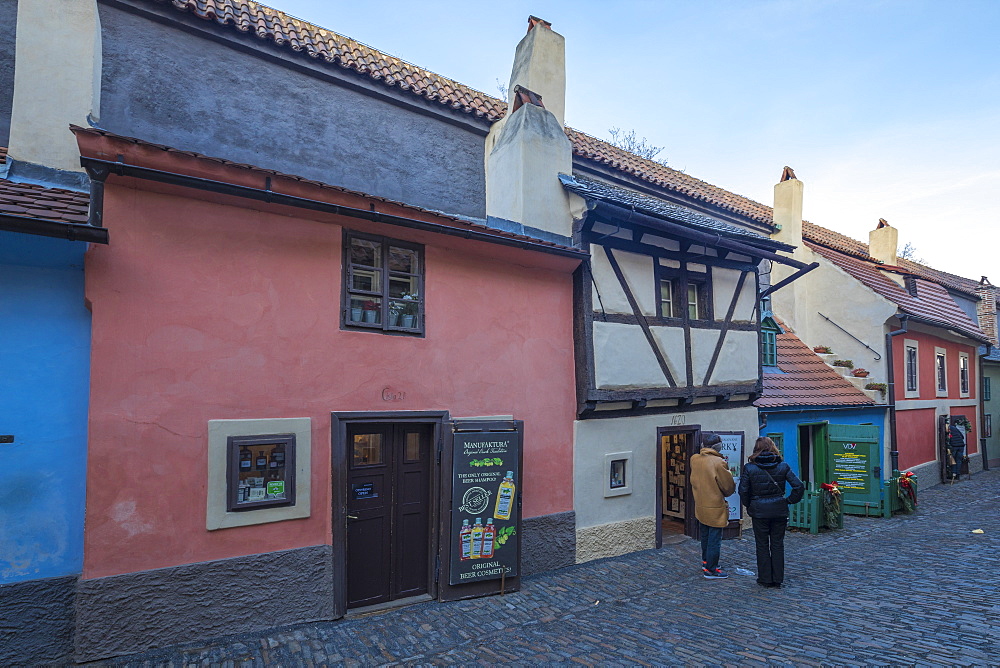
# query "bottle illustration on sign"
(278, 456)
(261, 461)
(477, 539)
(489, 538)
(505, 498)
(465, 540)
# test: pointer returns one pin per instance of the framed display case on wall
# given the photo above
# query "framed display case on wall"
(261, 472)
(258, 471)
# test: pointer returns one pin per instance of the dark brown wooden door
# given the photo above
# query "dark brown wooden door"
(388, 512)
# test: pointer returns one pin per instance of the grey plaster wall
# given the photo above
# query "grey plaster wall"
(548, 542)
(8, 19)
(173, 87)
(130, 613)
(36, 622)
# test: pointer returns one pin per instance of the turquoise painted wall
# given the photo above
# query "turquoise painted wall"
(787, 423)
(44, 380)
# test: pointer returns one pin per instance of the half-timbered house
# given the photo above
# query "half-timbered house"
(666, 327)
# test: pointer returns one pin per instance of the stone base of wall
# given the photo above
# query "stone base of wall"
(123, 614)
(929, 474)
(36, 622)
(617, 538)
(548, 542)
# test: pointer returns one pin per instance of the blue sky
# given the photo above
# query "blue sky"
(885, 109)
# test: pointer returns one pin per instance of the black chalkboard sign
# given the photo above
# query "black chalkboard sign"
(365, 491)
(484, 506)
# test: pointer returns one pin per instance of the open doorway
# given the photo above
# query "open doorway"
(674, 505)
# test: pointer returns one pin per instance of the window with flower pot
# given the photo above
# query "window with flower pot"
(383, 284)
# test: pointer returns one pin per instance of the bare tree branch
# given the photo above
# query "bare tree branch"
(632, 143)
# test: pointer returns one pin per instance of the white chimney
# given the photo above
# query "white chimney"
(57, 81)
(528, 148)
(882, 242)
(788, 209)
(789, 300)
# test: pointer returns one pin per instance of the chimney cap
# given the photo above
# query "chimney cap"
(523, 96)
(882, 222)
(985, 282)
(787, 174)
(534, 21)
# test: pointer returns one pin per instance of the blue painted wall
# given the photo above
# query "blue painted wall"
(44, 388)
(787, 423)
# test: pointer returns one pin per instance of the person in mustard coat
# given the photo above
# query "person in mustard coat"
(711, 483)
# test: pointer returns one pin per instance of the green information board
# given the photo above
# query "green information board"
(853, 461)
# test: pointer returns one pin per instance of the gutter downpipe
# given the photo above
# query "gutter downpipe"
(893, 452)
(982, 408)
(101, 169)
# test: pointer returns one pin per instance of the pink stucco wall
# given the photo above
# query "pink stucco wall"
(207, 310)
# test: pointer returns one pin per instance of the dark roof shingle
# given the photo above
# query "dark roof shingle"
(591, 189)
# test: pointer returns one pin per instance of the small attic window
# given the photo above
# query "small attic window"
(910, 283)
(769, 331)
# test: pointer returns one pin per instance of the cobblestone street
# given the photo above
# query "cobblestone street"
(920, 589)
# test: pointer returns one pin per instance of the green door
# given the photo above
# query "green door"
(853, 459)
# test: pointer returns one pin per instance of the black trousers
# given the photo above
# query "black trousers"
(769, 534)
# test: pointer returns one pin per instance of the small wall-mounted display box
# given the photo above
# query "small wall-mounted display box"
(261, 471)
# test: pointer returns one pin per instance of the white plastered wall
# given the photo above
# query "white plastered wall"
(639, 274)
(737, 361)
(846, 301)
(623, 358)
(57, 80)
(619, 524)
(724, 282)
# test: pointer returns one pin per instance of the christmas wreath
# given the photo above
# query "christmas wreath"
(906, 488)
(831, 504)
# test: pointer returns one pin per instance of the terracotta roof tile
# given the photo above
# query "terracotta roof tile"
(286, 30)
(33, 201)
(806, 380)
(671, 179)
(932, 302)
(859, 249)
(3, 154)
(320, 43)
(283, 29)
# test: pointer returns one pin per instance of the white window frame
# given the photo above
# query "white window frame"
(964, 384)
(610, 491)
(907, 392)
(938, 368)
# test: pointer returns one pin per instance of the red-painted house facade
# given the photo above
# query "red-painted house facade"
(936, 375)
(218, 316)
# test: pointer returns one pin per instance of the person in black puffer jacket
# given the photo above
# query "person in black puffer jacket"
(762, 491)
(956, 448)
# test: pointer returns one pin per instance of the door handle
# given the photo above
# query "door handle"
(352, 517)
